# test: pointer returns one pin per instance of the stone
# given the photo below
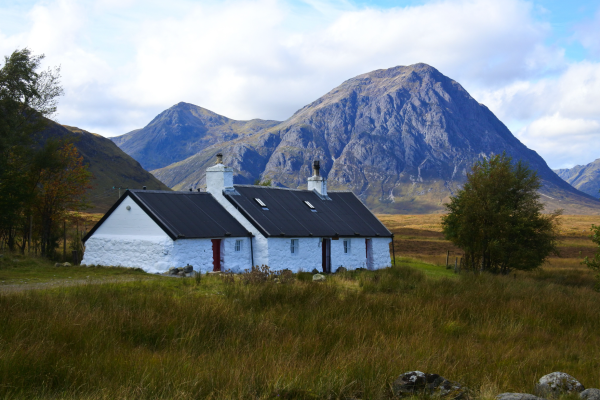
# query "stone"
(188, 268)
(590, 394)
(341, 269)
(517, 396)
(556, 384)
(58, 265)
(315, 271)
(66, 264)
(414, 383)
(318, 278)
(180, 273)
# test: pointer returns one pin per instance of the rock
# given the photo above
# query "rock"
(318, 278)
(341, 269)
(315, 271)
(58, 265)
(590, 394)
(188, 268)
(67, 264)
(517, 396)
(557, 383)
(416, 382)
(180, 273)
(173, 271)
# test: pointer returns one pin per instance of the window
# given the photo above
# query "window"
(294, 246)
(346, 246)
(312, 208)
(238, 245)
(261, 203)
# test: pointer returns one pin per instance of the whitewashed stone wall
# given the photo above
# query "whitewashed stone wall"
(235, 261)
(151, 253)
(196, 252)
(134, 221)
(355, 259)
(381, 253)
(306, 259)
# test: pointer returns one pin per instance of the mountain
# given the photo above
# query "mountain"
(109, 165)
(182, 131)
(585, 178)
(402, 139)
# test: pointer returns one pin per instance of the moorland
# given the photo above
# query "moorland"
(118, 333)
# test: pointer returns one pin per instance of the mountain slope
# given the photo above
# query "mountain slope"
(181, 131)
(403, 139)
(110, 167)
(585, 178)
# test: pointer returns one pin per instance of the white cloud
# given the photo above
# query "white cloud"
(125, 61)
(561, 114)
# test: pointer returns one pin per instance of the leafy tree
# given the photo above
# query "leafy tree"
(594, 263)
(61, 187)
(27, 98)
(267, 182)
(497, 220)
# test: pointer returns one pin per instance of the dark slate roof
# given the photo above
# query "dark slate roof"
(183, 215)
(288, 215)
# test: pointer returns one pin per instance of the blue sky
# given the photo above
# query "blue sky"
(535, 64)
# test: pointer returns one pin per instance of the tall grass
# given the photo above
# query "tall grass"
(348, 337)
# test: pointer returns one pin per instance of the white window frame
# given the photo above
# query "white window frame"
(347, 246)
(239, 244)
(294, 247)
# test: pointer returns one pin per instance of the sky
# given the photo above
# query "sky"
(535, 64)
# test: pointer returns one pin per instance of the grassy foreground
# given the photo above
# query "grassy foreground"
(349, 337)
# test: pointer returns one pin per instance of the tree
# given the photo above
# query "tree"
(27, 99)
(594, 263)
(497, 220)
(61, 187)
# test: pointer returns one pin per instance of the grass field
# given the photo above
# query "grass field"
(346, 338)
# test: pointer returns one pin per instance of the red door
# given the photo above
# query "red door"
(216, 248)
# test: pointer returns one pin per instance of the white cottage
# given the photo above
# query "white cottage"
(236, 226)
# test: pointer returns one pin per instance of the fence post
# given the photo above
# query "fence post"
(447, 257)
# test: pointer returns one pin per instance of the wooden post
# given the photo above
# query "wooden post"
(29, 237)
(447, 258)
(456, 265)
(459, 264)
(393, 250)
(65, 239)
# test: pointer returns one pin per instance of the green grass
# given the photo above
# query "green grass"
(17, 269)
(431, 270)
(348, 337)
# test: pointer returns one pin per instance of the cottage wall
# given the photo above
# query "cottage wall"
(381, 252)
(356, 258)
(151, 253)
(235, 261)
(307, 258)
(126, 222)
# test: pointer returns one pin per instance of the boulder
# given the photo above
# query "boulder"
(180, 273)
(517, 396)
(66, 264)
(188, 268)
(58, 265)
(590, 394)
(418, 383)
(557, 383)
(318, 278)
(341, 269)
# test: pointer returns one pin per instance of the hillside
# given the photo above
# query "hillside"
(585, 178)
(182, 131)
(110, 166)
(403, 139)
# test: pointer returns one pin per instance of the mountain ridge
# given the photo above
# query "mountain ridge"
(585, 178)
(403, 139)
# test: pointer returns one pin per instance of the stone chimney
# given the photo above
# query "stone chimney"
(219, 177)
(317, 182)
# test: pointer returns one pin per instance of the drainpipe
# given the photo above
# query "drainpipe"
(251, 251)
(393, 251)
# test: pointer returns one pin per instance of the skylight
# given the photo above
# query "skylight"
(312, 208)
(260, 202)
